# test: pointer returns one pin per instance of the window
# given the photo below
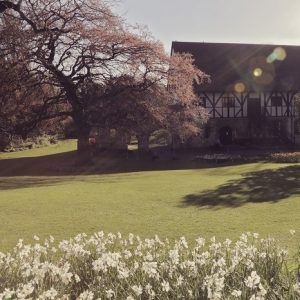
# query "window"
(228, 101)
(276, 101)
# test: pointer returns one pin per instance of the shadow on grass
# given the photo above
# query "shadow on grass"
(12, 183)
(19, 182)
(48, 165)
(255, 187)
(59, 168)
(63, 164)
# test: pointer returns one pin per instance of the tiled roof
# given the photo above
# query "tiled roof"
(252, 66)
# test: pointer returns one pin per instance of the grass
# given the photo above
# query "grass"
(41, 192)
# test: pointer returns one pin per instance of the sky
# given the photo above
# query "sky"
(229, 21)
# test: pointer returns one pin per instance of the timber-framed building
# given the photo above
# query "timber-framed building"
(252, 94)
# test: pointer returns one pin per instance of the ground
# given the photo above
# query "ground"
(43, 193)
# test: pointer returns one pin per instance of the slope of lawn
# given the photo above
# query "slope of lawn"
(43, 193)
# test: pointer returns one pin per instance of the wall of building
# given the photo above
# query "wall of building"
(243, 130)
(247, 116)
(231, 104)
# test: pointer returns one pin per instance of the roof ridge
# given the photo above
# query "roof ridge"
(236, 43)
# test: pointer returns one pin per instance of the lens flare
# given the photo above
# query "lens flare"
(257, 72)
(271, 58)
(278, 53)
(239, 87)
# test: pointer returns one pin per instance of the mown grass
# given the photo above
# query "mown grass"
(43, 193)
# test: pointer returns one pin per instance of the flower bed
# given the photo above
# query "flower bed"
(281, 157)
(108, 266)
(219, 157)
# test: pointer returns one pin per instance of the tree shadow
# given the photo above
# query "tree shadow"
(53, 169)
(106, 162)
(12, 183)
(48, 165)
(255, 187)
(20, 182)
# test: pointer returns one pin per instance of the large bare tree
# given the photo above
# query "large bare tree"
(71, 45)
(24, 101)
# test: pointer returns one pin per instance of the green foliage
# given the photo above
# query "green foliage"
(19, 144)
(44, 140)
(160, 137)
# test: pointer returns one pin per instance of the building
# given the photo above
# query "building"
(252, 94)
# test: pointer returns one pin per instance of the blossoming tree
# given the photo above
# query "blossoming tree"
(71, 44)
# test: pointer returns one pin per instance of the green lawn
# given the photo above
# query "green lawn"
(42, 193)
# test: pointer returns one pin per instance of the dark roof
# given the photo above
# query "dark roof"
(277, 67)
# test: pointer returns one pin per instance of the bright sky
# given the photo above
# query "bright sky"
(237, 21)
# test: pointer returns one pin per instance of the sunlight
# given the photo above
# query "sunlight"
(257, 72)
(278, 53)
(239, 87)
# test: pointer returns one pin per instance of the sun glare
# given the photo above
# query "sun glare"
(239, 87)
(278, 53)
(257, 72)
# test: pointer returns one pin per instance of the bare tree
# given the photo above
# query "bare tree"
(24, 101)
(5, 5)
(73, 45)
(187, 115)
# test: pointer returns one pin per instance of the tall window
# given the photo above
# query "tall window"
(276, 101)
(228, 101)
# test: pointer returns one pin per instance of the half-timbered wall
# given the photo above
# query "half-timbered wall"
(224, 105)
(278, 104)
(236, 105)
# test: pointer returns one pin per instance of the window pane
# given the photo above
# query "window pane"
(276, 101)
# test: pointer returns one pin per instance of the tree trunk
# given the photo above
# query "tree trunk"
(84, 149)
(121, 141)
(4, 141)
(143, 142)
(103, 139)
(176, 142)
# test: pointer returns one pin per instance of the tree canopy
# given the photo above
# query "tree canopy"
(99, 70)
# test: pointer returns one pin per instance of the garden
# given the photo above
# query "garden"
(114, 184)
(132, 202)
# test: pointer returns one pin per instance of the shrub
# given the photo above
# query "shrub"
(111, 267)
(43, 140)
(160, 137)
(291, 157)
(18, 144)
